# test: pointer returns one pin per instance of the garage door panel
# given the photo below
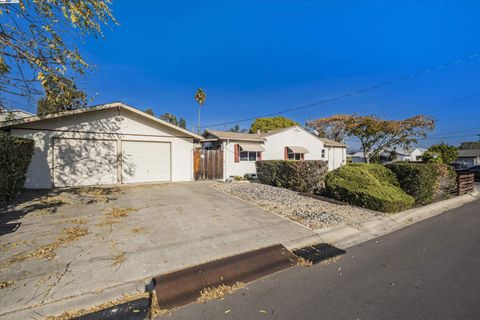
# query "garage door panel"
(145, 161)
(81, 162)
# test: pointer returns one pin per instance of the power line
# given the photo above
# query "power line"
(353, 93)
(454, 102)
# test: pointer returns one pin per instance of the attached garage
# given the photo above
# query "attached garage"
(145, 161)
(107, 144)
(82, 162)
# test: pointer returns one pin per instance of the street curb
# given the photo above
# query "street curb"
(344, 236)
(83, 301)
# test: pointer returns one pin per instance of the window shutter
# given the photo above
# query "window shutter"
(259, 156)
(286, 154)
(302, 156)
(236, 152)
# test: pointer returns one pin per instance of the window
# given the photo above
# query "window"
(323, 153)
(295, 156)
(248, 156)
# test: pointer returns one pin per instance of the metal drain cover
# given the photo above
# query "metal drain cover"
(318, 252)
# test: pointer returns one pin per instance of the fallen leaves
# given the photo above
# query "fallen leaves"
(114, 214)
(305, 263)
(6, 284)
(219, 292)
(48, 251)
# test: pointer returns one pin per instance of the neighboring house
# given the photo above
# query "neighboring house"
(409, 155)
(468, 158)
(15, 114)
(241, 150)
(107, 144)
(413, 154)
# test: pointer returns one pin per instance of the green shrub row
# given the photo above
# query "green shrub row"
(426, 182)
(370, 186)
(303, 176)
(15, 156)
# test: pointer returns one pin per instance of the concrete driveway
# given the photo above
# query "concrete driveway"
(73, 248)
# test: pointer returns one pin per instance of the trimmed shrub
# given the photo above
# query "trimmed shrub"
(416, 179)
(303, 176)
(15, 156)
(370, 186)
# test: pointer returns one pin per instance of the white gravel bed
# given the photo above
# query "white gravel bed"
(308, 211)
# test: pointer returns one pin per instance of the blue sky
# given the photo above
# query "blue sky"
(258, 57)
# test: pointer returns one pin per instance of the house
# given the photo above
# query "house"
(468, 158)
(399, 154)
(14, 114)
(106, 144)
(241, 150)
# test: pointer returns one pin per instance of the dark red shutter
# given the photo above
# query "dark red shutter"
(301, 156)
(236, 153)
(286, 153)
(259, 156)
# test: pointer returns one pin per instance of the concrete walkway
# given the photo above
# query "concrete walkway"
(80, 247)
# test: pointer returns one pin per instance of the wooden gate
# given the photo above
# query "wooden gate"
(465, 182)
(207, 164)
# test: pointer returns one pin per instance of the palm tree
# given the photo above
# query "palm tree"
(200, 97)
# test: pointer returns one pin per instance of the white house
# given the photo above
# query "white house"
(14, 114)
(107, 144)
(409, 155)
(241, 150)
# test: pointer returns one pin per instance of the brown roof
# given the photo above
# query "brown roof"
(332, 143)
(469, 153)
(227, 135)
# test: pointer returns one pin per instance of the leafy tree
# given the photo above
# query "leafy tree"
(333, 128)
(182, 123)
(37, 60)
(200, 97)
(376, 134)
(149, 111)
(470, 145)
(269, 124)
(62, 99)
(169, 118)
(236, 128)
(441, 153)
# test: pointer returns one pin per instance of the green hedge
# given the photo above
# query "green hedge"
(303, 176)
(370, 186)
(426, 182)
(416, 179)
(15, 156)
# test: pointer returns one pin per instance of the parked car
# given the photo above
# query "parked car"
(476, 172)
(459, 166)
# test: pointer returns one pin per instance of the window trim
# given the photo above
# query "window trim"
(247, 158)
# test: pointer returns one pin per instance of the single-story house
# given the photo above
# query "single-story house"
(106, 144)
(413, 154)
(468, 158)
(14, 114)
(241, 150)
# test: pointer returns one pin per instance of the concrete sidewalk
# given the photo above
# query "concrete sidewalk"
(345, 236)
(124, 236)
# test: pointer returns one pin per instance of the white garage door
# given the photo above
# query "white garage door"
(79, 162)
(145, 161)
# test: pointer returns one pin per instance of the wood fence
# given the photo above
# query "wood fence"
(207, 164)
(465, 182)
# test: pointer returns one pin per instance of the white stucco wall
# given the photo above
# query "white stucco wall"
(112, 124)
(337, 157)
(232, 168)
(275, 147)
(275, 144)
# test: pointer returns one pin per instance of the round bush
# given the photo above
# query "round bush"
(370, 186)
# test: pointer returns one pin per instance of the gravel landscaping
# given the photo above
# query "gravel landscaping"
(308, 211)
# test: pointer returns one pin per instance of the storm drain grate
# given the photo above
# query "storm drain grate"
(318, 252)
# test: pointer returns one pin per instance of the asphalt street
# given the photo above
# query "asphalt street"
(430, 270)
